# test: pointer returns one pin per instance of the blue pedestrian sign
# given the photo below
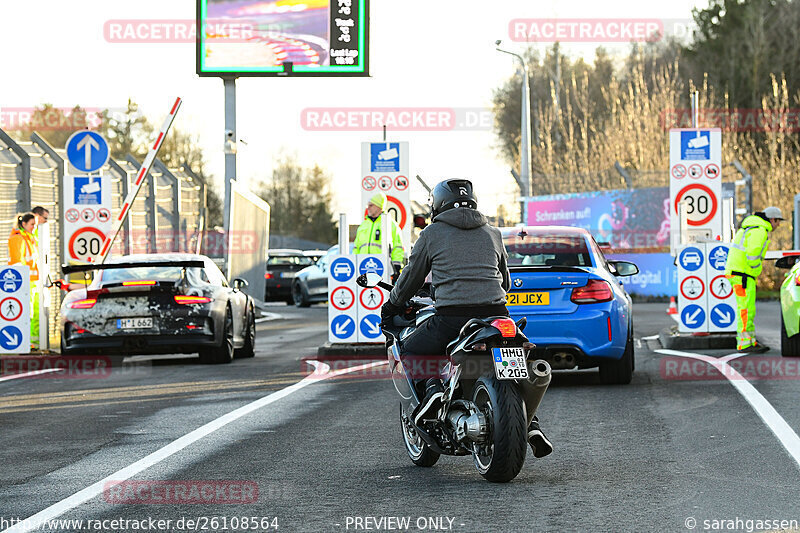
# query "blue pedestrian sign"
(87, 151)
(717, 257)
(342, 269)
(371, 265)
(343, 327)
(371, 326)
(691, 258)
(693, 316)
(10, 338)
(722, 315)
(10, 280)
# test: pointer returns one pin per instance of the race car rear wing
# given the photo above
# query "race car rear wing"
(70, 269)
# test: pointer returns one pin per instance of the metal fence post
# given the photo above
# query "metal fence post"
(124, 181)
(24, 187)
(796, 222)
(149, 206)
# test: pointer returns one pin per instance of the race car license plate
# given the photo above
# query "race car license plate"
(509, 363)
(528, 298)
(135, 323)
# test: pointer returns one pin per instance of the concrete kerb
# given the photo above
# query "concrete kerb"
(671, 339)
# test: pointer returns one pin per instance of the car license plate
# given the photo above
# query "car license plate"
(528, 298)
(135, 323)
(509, 363)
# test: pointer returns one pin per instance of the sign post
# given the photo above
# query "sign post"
(695, 162)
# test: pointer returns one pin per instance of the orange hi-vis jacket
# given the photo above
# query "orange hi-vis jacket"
(22, 249)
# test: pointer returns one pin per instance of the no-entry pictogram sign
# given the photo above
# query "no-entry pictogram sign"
(401, 183)
(701, 205)
(368, 183)
(342, 298)
(720, 287)
(385, 183)
(678, 171)
(695, 171)
(692, 287)
(371, 298)
(72, 215)
(712, 170)
(10, 309)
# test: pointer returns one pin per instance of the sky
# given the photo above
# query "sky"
(423, 53)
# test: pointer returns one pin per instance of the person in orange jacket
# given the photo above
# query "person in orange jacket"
(23, 249)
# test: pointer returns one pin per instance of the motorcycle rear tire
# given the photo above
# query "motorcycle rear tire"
(502, 404)
(418, 451)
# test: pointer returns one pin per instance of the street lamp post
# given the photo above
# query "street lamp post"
(525, 135)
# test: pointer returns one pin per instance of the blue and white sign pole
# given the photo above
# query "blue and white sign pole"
(15, 309)
(721, 300)
(342, 308)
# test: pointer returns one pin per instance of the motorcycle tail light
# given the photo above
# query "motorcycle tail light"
(595, 291)
(86, 303)
(506, 326)
(188, 300)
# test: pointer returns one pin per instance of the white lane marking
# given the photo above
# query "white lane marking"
(29, 374)
(322, 372)
(265, 317)
(762, 407)
(650, 338)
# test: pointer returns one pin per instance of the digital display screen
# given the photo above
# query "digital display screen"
(282, 37)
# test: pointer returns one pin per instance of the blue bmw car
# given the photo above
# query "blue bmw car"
(579, 314)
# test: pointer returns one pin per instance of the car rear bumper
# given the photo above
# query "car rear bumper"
(278, 291)
(584, 334)
(139, 344)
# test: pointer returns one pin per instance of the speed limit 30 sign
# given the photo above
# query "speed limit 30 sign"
(697, 194)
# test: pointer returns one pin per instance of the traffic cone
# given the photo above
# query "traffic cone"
(672, 309)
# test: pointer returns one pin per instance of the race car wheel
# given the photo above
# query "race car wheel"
(619, 372)
(224, 352)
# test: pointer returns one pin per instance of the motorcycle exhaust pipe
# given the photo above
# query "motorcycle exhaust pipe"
(535, 386)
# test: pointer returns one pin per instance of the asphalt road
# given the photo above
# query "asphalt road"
(680, 446)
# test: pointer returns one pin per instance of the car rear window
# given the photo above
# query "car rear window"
(290, 260)
(141, 274)
(548, 250)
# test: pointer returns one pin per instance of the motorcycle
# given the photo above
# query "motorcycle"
(491, 390)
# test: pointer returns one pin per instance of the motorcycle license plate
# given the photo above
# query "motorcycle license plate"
(135, 323)
(509, 363)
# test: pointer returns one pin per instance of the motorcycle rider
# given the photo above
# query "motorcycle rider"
(469, 274)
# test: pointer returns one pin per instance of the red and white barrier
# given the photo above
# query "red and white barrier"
(137, 185)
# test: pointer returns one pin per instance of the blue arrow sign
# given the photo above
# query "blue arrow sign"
(342, 269)
(10, 280)
(691, 258)
(722, 315)
(87, 151)
(717, 257)
(371, 326)
(10, 338)
(371, 265)
(343, 327)
(693, 316)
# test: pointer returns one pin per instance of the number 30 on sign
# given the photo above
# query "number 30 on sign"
(700, 203)
(85, 244)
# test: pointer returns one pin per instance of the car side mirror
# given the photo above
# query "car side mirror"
(787, 261)
(239, 284)
(624, 268)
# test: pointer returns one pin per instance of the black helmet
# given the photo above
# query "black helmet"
(452, 193)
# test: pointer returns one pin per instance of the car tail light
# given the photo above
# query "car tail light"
(595, 291)
(797, 279)
(506, 326)
(86, 303)
(187, 300)
(268, 275)
(137, 283)
(193, 326)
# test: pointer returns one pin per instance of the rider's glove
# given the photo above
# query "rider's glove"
(389, 311)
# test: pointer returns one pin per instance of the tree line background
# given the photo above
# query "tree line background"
(744, 56)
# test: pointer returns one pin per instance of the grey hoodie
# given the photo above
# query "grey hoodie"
(466, 258)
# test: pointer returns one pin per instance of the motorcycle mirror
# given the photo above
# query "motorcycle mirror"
(368, 280)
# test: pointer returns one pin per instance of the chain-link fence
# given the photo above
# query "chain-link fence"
(168, 214)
